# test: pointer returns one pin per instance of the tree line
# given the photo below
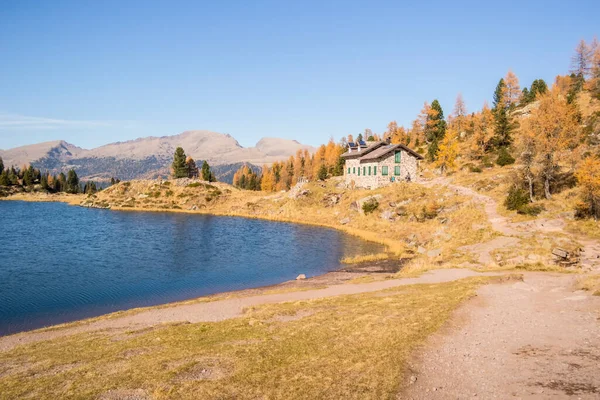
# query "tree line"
(30, 177)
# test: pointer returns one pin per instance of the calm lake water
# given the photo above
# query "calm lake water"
(60, 263)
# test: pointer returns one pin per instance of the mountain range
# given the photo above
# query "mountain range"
(151, 157)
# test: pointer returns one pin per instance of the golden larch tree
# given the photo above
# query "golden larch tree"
(448, 151)
(555, 130)
(512, 90)
(588, 178)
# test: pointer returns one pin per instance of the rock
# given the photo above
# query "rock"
(300, 277)
(413, 379)
(331, 199)
(345, 221)
(401, 211)
(142, 196)
(443, 220)
(421, 250)
(392, 204)
(354, 206)
(477, 227)
(434, 253)
(387, 215)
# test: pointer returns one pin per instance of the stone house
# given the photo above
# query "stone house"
(376, 164)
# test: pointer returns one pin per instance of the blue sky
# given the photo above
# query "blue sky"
(94, 72)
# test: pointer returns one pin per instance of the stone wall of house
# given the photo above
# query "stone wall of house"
(408, 167)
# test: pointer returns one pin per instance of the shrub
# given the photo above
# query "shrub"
(516, 198)
(431, 210)
(169, 193)
(530, 209)
(475, 169)
(485, 161)
(504, 157)
(370, 205)
(194, 185)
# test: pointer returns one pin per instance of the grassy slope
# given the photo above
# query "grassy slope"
(342, 347)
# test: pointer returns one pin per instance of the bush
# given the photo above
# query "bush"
(516, 198)
(485, 161)
(530, 209)
(370, 205)
(475, 169)
(504, 157)
(194, 185)
(169, 193)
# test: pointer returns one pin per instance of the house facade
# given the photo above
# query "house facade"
(379, 164)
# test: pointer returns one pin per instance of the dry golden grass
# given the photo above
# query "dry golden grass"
(352, 347)
(365, 258)
(590, 283)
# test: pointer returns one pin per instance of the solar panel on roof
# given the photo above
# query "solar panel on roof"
(352, 144)
(362, 143)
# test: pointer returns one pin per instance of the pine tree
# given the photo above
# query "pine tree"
(179, 166)
(72, 184)
(206, 173)
(4, 180)
(44, 182)
(191, 167)
(503, 121)
(1, 165)
(28, 176)
(435, 128)
(322, 175)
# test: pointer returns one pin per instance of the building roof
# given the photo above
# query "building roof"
(365, 150)
(382, 151)
(378, 150)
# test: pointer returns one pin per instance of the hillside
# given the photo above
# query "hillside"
(151, 157)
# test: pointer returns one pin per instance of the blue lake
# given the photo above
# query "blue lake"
(60, 263)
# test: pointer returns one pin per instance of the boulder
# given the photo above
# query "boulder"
(387, 215)
(345, 221)
(434, 253)
(359, 203)
(300, 277)
(331, 199)
(421, 250)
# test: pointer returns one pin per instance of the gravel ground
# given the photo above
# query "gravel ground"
(536, 339)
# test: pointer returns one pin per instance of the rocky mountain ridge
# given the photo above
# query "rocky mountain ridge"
(150, 157)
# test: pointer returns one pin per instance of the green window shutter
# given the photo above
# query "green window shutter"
(397, 171)
(353, 170)
(364, 171)
(369, 170)
(384, 170)
(375, 170)
(358, 171)
(397, 156)
(348, 170)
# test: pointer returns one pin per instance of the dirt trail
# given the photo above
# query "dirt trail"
(224, 309)
(537, 339)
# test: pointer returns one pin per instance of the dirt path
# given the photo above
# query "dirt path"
(224, 309)
(537, 339)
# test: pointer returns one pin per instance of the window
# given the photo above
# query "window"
(384, 170)
(369, 170)
(397, 170)
(375, 170)
(354, 170)
(397, 156)
(358, 171)
(348, 170)
(364, 170)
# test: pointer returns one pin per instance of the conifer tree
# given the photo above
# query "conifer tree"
(503, 122)
(72, 184)
(322, 175)
(179, 166)
(435, 128)
(1, 165)
(191, 167)
(4, 180)
(207, 174)
(44, 182)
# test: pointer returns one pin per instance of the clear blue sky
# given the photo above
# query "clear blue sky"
(93, 72)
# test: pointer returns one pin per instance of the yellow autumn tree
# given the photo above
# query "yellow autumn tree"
(268, 179)
(588, 178)
(483, 132)
(459, 115)
(512, 90)
(555, 131)
(448, 151)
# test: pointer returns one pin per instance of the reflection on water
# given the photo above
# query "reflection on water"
(60, 263)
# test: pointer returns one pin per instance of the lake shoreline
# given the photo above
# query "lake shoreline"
(340, 275)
